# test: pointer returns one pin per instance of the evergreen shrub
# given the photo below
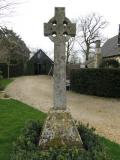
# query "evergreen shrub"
(109, 63)
(26, 147)
(1, 85)
(99, 82)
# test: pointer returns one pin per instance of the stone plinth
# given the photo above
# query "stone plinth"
(59, 130)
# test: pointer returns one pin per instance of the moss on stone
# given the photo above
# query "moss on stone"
(60, 130)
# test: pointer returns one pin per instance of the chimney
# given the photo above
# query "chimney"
(97, 45)
(119, 37)
(98, 55)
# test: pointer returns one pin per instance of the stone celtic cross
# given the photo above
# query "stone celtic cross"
(59, 128)
(59, 29)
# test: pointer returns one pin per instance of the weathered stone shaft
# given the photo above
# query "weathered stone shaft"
(59, 129)
(59, 76)
(59, 29)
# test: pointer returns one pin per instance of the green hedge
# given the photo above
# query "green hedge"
(99, 82)
(26, 147)
(109, 63)
(14, 70)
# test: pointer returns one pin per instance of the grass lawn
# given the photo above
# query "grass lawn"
(14, 114)
(5, 82)
(112, 148)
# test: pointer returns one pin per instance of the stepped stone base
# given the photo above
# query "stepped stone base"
(59, 130)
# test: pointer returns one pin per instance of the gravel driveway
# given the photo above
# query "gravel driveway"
(101, 113)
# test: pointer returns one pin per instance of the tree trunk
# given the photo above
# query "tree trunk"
(8, 70)
(67, 52)
(87, 55)
(24, 68)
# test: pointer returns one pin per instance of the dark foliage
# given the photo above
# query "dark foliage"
(14, 70)
(12, 47)
(109, 63)
(14, 53)
(1, 86)
(99, 82)
(26, 147)
(92, 143)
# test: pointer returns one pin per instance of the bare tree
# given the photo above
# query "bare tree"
(74, 59)
(89, 30)
(71, 49)
(7, 7)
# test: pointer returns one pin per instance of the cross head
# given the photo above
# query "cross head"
(59, 28)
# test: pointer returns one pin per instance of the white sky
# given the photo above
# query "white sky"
(30, 16)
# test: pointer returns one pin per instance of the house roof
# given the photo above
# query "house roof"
(110, 47)
(40, 54)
